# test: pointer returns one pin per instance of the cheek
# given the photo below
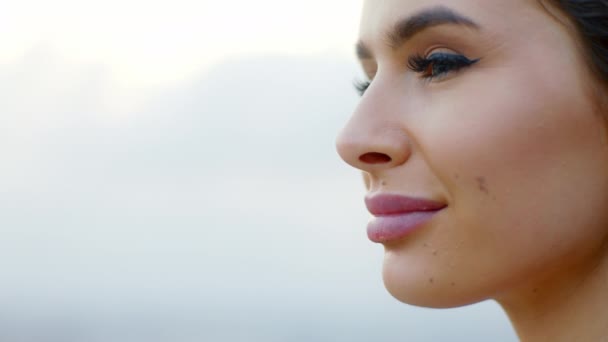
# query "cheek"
(524, 165)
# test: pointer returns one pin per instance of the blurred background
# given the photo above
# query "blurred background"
(168, 174)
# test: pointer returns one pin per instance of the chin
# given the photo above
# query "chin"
(419, 288)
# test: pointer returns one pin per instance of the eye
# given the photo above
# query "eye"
(361, 86)
(438, 64)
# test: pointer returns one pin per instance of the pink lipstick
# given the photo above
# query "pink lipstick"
(397, 216)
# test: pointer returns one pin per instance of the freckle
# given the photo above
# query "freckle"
(453, 284)
(457, 176)
(481, 182)
(435, 253)
(426, 245)
(383, 183)
(431, 280)
(535, 290)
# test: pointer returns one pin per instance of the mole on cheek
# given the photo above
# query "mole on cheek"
(483, 186)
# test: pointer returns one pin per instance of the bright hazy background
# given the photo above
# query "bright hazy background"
(169, 174)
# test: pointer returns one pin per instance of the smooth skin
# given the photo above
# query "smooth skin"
(515, 145)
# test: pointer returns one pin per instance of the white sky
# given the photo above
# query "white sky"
(153, 42)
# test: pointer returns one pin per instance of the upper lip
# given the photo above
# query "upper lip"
(390, 204)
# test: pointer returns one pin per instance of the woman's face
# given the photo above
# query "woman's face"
(485, 107)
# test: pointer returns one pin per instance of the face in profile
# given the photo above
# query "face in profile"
(484, 148)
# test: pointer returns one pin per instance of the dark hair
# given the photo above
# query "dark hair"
(591, 20)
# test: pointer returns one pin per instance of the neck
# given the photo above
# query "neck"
(564, 305)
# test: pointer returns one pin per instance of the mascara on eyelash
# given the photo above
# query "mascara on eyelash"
(447, 61)
(417, 63)
(361, 86)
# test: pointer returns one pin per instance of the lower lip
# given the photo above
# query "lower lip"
(383, 229)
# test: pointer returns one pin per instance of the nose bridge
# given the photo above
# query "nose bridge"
(374, 138)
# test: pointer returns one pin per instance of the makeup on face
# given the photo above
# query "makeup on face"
(395, 216)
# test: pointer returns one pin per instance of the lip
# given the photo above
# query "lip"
(398, 216)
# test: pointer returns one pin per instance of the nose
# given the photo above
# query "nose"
(371, 141)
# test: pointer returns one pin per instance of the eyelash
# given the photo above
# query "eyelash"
(430, 68)
(361, 86)
(438, 64)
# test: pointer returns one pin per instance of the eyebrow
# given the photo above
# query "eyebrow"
(408, 27)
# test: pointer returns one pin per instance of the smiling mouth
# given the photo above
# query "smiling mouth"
(398, 216)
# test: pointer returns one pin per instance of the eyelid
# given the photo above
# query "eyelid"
(441, 49)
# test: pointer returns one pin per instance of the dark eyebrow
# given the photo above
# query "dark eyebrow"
(406, 28)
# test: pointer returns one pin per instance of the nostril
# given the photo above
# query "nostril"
(375, 158)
